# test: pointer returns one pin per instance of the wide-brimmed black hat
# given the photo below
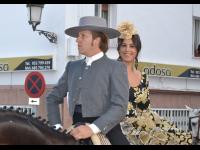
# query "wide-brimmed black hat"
(92, 23)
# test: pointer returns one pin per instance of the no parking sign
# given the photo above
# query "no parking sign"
(34, 86)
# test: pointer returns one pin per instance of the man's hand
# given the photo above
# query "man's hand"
(81, 132)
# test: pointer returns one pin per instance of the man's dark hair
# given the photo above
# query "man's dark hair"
(104, 40)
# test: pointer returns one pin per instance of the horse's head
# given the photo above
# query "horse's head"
(194, 123)
(20, 128)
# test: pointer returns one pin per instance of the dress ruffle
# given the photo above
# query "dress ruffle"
(143, 126)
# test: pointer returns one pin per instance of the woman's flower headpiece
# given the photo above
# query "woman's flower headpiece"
(127, 30)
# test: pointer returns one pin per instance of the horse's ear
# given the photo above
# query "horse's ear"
(187, 107)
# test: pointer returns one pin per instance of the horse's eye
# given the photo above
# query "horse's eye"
(194, 123)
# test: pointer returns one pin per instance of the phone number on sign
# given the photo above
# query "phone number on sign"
(4, 67)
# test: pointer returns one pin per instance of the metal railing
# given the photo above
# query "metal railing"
(27, 108)
(177, 116)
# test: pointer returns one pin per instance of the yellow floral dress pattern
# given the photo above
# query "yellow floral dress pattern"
(142, 126)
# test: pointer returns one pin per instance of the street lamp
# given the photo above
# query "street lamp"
(34, 14)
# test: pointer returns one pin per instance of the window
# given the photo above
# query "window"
(108, 12)
(196, 38)
(101, 10)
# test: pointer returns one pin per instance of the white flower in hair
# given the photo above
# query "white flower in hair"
(127, 30)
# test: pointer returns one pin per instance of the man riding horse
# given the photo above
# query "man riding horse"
(97, 86)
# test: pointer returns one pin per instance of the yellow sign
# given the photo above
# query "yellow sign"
(169, 70)
(26, 63)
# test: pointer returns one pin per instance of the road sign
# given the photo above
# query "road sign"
(34, 84)
(34, 101)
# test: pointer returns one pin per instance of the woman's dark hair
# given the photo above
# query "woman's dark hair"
(136, 41)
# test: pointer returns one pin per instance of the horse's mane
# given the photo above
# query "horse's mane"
(17, 116)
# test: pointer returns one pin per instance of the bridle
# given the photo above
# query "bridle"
(190, 126)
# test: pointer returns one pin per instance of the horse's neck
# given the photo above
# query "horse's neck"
(29, 127)
(56, 137)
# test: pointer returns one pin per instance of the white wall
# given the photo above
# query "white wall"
(196, 10)
(18, 39)
(165, 30)
(176, 84)
(166, 35)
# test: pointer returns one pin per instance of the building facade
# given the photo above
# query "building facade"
(170, 35)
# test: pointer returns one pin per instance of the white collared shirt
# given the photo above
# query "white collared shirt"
(90, 60)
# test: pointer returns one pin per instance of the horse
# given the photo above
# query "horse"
(20, 128)
(194, 124)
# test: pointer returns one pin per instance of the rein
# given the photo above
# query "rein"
(69, 129)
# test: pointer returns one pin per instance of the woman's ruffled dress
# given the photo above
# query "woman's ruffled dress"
(143, 126)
